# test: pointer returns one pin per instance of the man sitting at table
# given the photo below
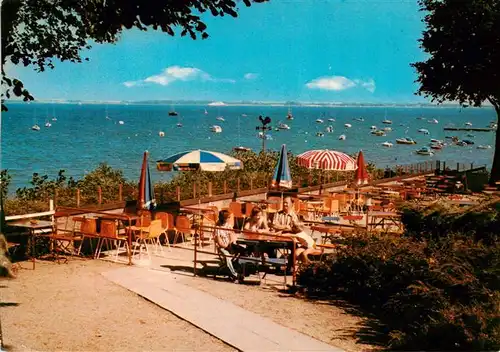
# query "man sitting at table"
(287, 222)
(226, 238)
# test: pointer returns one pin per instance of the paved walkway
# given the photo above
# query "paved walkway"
(244, 330)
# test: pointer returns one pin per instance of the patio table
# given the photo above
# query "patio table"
(32, 226)
(385, 219)
(265, 241)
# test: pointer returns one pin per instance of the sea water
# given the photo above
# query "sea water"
(85, 135)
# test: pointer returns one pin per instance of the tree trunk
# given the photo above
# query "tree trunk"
(495, 169)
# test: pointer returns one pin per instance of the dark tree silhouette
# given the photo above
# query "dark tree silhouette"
(462, 38)
(38, 32)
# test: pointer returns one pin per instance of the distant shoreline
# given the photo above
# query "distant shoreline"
(245, 103)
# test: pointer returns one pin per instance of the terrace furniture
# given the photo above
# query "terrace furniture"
(385, 220)
(88, 229)
(326, 231)
(182, 226)
(149, 234)
(35, 229)
(166, 224)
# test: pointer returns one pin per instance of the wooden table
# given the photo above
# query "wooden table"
(385, 218)
(264, 239)
(32, 226)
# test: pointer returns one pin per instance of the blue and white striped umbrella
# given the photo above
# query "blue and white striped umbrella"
(199, 160)
(282, 176)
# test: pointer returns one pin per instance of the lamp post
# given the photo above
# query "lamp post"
(264, 121)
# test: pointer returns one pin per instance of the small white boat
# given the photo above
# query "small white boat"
(484, 147)
(320, 134)
(179, 124)
(161, 134)
(244, 115)
(493, 125)
(319, 121)
(379, 133)
(35, 127)
(433, 121)
(242, 149)
(360, 119)
(331, 120)
(423, 130)
(425, 151)
(342, 137)
(216, 129)
(347, 125)
(329, 129)
(267, 137)
(387, 144)
(387, 129)
(48, 124)
(121, 122)
(468, 124)
(405, 140)
(387, 122)
(206, 112)
(283, 126)
(220, 118)
(436, 141)
(54, 118)
(373, 128)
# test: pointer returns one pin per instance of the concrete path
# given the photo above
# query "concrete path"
(244, 330)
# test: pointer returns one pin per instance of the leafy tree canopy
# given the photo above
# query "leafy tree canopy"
(462, 39)
(38, 32)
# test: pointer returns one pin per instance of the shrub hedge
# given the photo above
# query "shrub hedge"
(436, 288)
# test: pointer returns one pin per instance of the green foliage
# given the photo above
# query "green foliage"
(434, 289)
(258, 169)
(462, 39)
(35, 32)
(5, 179)
(103, 176)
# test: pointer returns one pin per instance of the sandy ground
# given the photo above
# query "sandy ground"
(72, 307)
(324, 321)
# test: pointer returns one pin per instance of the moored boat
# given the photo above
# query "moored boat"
(216, 129)
(387, 144)
(425, 151)
(405, 140)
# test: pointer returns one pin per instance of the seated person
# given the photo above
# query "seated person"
(225, 238)
(257, 221)
(287, 222)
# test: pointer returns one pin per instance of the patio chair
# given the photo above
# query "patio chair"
(235, 208)
(149, 234)
(182, 227)
(109, 233)
(88, 229)
(165, 224)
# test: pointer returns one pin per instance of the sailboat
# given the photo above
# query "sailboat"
(240, 148)
(48, 124)
(206, 112)
(172, 112)
(35, 126)
(289, 116)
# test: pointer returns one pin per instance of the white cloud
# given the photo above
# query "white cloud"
(339, 83)
(250, 75)
(177, 73)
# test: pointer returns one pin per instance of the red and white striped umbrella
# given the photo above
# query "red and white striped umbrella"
(327, 160)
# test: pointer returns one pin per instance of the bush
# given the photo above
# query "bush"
(433, 288)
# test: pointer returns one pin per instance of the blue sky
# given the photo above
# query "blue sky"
(301, 50)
